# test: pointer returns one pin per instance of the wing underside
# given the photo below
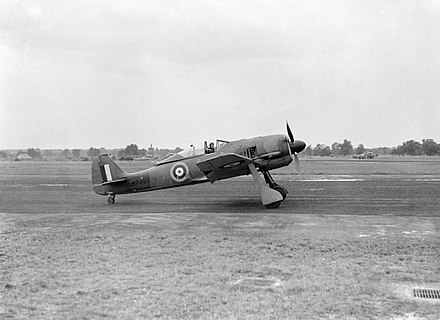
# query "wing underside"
(224, 166)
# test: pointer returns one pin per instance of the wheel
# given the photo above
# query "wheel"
(111, 199)
(273, 205)
(281, 190)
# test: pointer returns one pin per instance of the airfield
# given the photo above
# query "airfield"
(351, 241)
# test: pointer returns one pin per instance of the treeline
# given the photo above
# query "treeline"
(38, 154)
(131, 152)
(427, 147)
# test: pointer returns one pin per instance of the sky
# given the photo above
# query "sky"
(102, 73)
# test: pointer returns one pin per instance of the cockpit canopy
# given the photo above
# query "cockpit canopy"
(195, 150)
(192, 151)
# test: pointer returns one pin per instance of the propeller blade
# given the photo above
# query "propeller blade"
(289, 132)
(295, 147)
(295, 157)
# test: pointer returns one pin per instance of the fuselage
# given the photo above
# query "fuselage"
(267, 153)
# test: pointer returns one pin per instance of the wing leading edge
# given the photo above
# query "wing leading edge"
(224, 166)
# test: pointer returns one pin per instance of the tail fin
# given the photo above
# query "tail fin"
(105, 170)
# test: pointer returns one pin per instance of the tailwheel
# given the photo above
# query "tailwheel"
(111, 199)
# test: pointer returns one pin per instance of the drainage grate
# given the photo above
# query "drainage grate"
(427, 293)
(256, 282)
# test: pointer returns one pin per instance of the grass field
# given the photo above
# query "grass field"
(350, 242)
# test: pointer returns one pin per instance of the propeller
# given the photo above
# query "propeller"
(296, 160)
(296, 146)
(289, 132)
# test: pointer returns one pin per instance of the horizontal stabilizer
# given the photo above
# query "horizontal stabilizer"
(224, 166)
(114, 181)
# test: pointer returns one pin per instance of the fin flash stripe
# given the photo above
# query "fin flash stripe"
(108, 172)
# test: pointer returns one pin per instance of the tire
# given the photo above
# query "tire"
(281, 190)
(273, 205)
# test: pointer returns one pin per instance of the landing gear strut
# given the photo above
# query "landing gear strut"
(271, 193)
(111, 198)
(273, 185)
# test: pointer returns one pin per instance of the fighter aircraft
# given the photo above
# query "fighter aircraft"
(225, 160)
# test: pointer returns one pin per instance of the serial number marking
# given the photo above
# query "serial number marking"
(142, 181)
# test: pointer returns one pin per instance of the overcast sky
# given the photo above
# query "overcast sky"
(76, 74)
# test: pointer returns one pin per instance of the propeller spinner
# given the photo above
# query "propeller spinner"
(296, 146)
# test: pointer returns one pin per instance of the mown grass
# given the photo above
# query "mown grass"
(379, 166)
(61, 268)
(309, 166)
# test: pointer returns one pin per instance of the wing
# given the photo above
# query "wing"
(224, 166)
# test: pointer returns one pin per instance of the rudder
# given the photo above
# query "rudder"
(105, 170)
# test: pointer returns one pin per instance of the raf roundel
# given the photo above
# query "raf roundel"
(179, 172)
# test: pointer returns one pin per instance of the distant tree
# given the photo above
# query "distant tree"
(162, 152)
(381, 151)
(308, 151)
(346, 148)
(132, 150)
(360, 149)
(48, 153)
(3, 154)
(430, 147)
(336, 148)
(177, 149)
(76, 153)
(322, 150)
(93, 152)
(121, 154)
(397, 151)
(34, 153)
(142, 152)
(412, 148)
(66, 153)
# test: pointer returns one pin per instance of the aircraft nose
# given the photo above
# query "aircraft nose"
(297, 146)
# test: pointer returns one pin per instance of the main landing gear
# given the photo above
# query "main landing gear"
(111, 198)
(271, 193)
(275, 186)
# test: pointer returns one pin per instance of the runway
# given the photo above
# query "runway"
(337, 194)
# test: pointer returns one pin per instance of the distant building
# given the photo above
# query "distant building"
(150, 151)
(23, 156)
